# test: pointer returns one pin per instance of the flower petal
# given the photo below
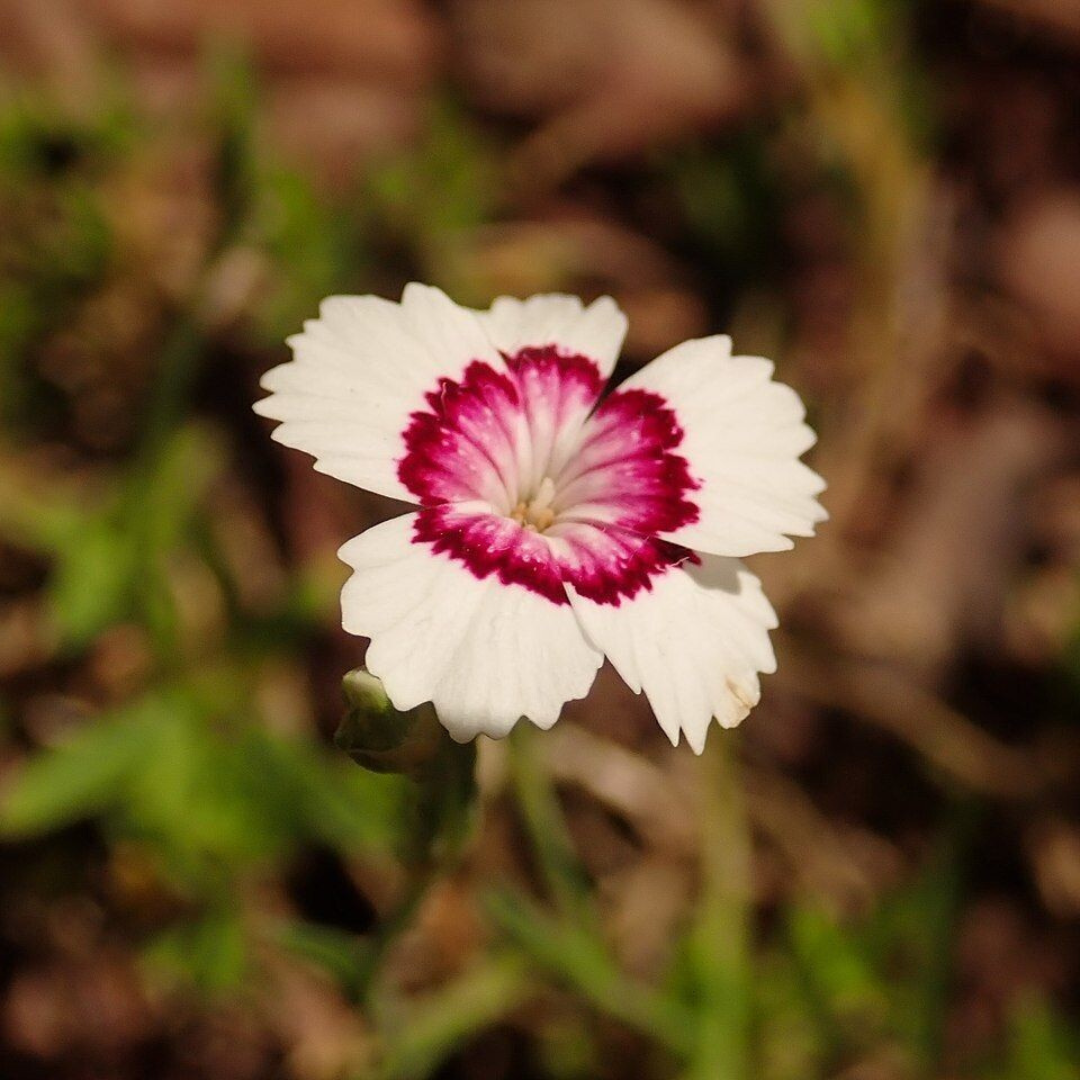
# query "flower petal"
(561, 354)
(627, 470)
(361, 370)
(485, 652)
(596, 331)
(694, 641)
(742, 437)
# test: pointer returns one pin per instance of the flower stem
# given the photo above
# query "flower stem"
(556, 861)
(442, 789)
(720, 937)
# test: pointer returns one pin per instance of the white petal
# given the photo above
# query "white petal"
(596, 331)
(360, 370)
(694, 641)
(485, 653)
(742, 436)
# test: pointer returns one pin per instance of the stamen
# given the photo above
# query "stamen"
(537, 514)
(543, 518)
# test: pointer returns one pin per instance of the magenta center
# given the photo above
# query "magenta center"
(522, 477)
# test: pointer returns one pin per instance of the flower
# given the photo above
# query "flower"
(549, 531)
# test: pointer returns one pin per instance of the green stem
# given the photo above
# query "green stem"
(386, 933)
(720, 937)
(942, 908)
(441, 775)
(169, 394)
(556, 861)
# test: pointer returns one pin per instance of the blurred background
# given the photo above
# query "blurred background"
(876, 878)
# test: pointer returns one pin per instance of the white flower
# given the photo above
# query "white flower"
(550, 531)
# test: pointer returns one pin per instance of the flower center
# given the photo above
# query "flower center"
(521, 475)
(537, 513)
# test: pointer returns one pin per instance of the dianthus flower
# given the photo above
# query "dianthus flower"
(552, 527)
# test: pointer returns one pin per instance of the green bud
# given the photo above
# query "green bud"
(379, 737)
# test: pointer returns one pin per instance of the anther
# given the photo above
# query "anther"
(537, 514)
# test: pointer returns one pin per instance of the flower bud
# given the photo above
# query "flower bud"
(379, 737)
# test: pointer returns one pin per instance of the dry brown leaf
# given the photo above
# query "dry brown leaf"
(1038, 254)
(607, 78)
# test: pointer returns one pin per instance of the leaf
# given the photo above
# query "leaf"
(189, 461)
(91, 586)
(436, 1025)
(349, 808)
(580, 959)
(1042, 1046)
(342, 955)
(209, 952)
(837, 971)
(84, 776)
(231, 794)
